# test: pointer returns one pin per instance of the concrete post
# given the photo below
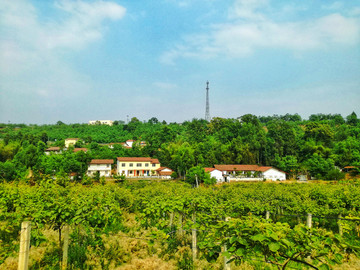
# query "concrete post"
(24, 245)
(309, 220)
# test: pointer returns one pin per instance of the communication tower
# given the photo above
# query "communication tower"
(207, 111)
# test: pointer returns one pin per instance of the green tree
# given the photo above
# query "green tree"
(197, 175)
(352, 119)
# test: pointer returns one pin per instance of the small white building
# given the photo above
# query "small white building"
(270, 173)
(215, 173)
(103, 166)
(164, 172)
(101, 122)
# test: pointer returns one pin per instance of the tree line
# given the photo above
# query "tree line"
(318, 146)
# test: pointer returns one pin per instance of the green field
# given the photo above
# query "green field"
(149, 225)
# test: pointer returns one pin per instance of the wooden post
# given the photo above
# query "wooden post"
(267, 215)
(24, 245)
(194, 240)
(65, 247)
(309, 220)
(339, 225)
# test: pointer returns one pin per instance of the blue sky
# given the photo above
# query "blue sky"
(77, 61)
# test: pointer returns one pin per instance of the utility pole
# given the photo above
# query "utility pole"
(207, 112)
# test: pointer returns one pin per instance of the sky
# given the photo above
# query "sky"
(80, 60)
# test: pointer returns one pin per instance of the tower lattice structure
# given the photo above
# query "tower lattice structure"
(207, 111)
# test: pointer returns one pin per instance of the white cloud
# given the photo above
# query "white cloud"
(249, 29)
(333, 6)
(248, 9)
(33, 69)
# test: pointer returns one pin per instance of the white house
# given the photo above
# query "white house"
(273, 174)
(129, 143)
(215, 173)
(101, 122)
(164, 172)
(240, 172)
(103, 166)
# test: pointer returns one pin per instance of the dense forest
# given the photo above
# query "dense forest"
(318, 147)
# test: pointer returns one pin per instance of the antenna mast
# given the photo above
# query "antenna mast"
(207, 112)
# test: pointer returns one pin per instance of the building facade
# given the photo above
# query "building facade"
(240, 172)
(103, 166)
(70, 141)
(101, 122)
(137, 166)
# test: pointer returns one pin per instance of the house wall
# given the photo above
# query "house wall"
(104, 169)
(273, 174)
(136, 168)
(70, 142)
(218, 175)
(102, 122)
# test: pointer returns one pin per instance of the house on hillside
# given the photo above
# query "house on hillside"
(215, 173)
(54, 150)
(129, 143)
(70, 141)
(103, 166)
(101, 122)
(137, 166)
(111, 145)
(239, 172)
(164, 172)
(80, 149)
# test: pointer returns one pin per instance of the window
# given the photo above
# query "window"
(130, 172)
(154, 165)
(146, 164)
(138, 164)
(123, 165)
(108, 165)
(130, 164)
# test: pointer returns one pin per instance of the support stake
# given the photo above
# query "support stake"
(24, 245)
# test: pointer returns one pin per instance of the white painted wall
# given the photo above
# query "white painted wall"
(273, 174)
(218, 175)
(104, 169)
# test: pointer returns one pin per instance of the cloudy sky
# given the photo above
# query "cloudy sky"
(75, 61)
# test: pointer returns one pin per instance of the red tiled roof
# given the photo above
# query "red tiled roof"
(54, 148)
(141, 159)
(80, 149)
(236, 167)
(72, 139)
(163, 168)
(264, 168)
(165, 173)
(102, 161)
(349, 167)
(209, 169)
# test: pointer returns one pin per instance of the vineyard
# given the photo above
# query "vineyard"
(174, 226)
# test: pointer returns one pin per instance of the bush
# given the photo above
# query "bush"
(335, 174)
